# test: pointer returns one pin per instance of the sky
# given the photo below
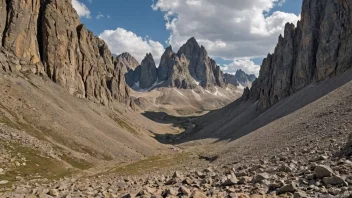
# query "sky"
(237, 34)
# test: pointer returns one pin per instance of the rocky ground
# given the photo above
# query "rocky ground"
(293, 172)
(304, 154)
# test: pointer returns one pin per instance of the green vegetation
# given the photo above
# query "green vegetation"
(122, 123)
(152, 164)
(37, 166)
(77, 163)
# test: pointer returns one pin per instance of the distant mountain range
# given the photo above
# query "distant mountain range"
(189, 68)
(240, 79)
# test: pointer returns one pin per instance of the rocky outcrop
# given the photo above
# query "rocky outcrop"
(47, 36)
(173, 71)
(240, 78)
(148, 72)
(201, 67)
(127, 60)
(128, 64)
(317, 48)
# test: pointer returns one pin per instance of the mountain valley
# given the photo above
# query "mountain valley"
(78, 121)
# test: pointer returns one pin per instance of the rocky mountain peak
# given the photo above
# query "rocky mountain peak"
(319, 47)
(169, 50)
(190, 48)
(243, 77)
(128, 60)
(190, 67)
(148, 74)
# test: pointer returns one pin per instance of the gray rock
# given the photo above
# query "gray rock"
(148, 75)
(260, 177)
(201, 67)
(185, 191)
(292, 187)
(334, 180)
(300, 194)
(230, 180)
(322, 171)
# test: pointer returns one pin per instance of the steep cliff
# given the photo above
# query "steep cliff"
(148, 76)
(128, 64)
(48, 36)
(173, 71)
(201, 67)
(319, 47)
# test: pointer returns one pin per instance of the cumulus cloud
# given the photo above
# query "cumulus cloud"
(229, 29)
(245, 64)
(81, 8)
(121, 40)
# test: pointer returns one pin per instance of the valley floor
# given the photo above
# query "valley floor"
(56, 145)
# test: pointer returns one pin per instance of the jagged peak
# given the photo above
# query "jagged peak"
(168, 50)
(192, 40)
(240, 70)
(149, 55)
(148, 58)
(125, 54)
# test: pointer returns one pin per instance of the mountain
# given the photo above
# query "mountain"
(318, 48)
(288, 136)
(173, 71)
(48, 38)
(185, 83)
(309, 62)
(188, 68)
(240, 78)
(128, 64)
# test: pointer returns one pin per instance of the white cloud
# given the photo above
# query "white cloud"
(229, 29)
(121, 40)
(81, 8)
(245, 64)
(100, 15)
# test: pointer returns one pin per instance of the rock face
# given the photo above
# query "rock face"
(316, 49)
(202, 68)
(148, 72)
(19, 27)
(49, 36)
(127, 60)
(173, 71)
(128, 64)
(240, 78)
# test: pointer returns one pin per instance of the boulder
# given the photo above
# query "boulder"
(334, 180)
(260, 177)
(292, 187)
(322, 171)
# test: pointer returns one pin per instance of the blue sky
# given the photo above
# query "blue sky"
(137, 17)
(133, 15)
